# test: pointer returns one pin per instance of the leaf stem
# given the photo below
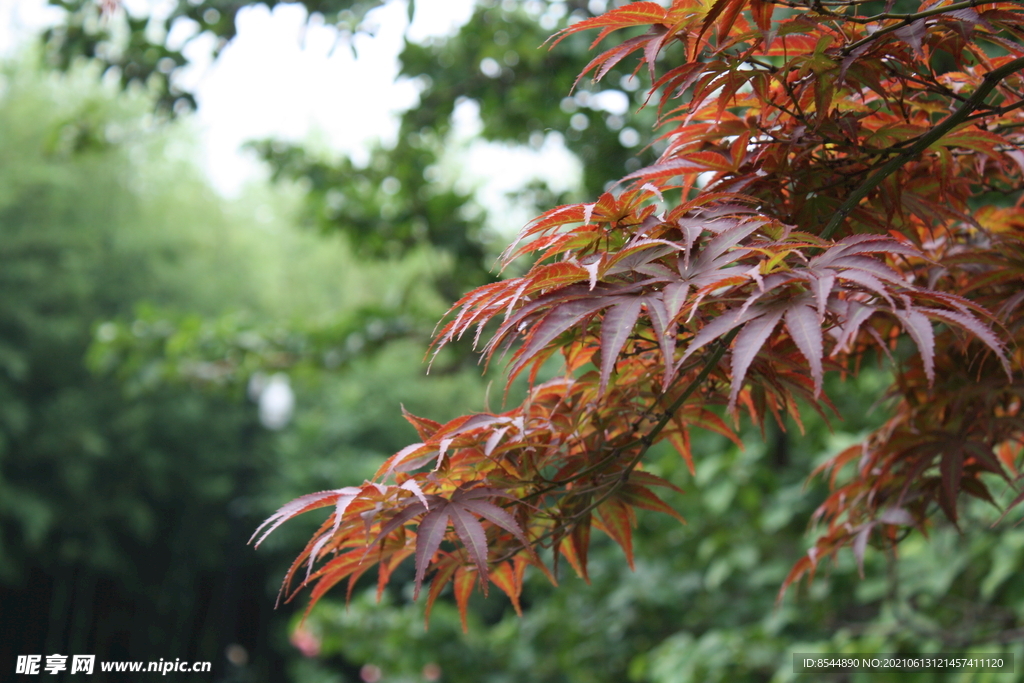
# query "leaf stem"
(648, 440)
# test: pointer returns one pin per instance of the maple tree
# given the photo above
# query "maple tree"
(836, 176)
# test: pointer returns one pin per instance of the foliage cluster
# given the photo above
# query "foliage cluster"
(712, 279)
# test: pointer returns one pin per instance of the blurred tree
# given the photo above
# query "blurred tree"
(136, 305)
(125, 498)
(397, 200)
(112, 524)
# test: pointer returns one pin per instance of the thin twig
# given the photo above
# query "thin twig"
(906, 20)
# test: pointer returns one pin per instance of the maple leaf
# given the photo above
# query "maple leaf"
(311, 501)
(462, 512)
(633, 14)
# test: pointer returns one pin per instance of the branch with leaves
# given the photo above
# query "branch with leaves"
(706, 286)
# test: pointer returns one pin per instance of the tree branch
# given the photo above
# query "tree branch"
(988, 84)
(645, 443)
(906, 20)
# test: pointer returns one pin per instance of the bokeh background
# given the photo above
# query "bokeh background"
(218, 278)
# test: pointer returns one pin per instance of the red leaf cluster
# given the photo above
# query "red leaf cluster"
(816, 200)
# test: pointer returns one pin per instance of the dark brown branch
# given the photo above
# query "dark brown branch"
(907, 20)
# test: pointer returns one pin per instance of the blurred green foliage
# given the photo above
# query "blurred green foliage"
(398, 200)
(112, 509)
(135, 306)
(86, 231)
(525, 96)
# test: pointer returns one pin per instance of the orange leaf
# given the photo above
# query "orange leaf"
(633, 14)
(575, 547)
(464, 580)
(509, 578)
(616, 520)
(445, 569)
(643, 497)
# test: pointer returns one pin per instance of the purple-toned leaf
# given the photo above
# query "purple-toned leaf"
(665, 333)
(555, 323)
(951, 467)
(848, 61)
(406, 514)
(766, 285)
(718, 327)
(975, 327)
(823, 283)
(640, 253)
(573, 293)
(920, 330)
(869, 265)
(310, 501)
(862, 244)
(674, 296)
(616, 328)
(691, 230)
(860, 544)
(869, 282)
(495, 514)
(851, 324)
(805, 330)
(715, 279)
(471, 533)
(462, 495)
(748, 342)
(431, 532)
(912, 34)
(726, 240)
